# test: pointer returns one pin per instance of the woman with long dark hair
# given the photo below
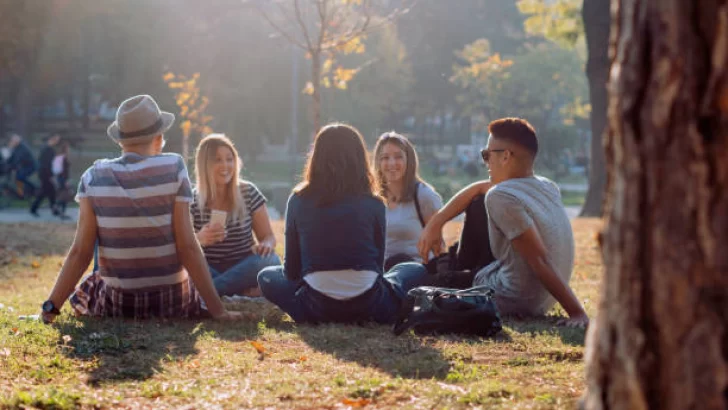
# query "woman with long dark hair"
(335, 241)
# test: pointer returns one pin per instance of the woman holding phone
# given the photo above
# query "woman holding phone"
(230, 219)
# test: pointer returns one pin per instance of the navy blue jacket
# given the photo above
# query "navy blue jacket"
(349, 234)
(45, 162)
(22, 158)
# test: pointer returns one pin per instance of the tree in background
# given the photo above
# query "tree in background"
(543, 84)
(81, 54)
(568, 23)
(558, 20)
(431, 33)
(23, 27)
(378, 97)
(192, 106)
(326, 30)
(660, 339)
(596, 17)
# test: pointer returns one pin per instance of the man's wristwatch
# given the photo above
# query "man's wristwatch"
(49, 307)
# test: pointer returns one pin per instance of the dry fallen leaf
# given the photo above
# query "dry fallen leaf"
(35, 264)
(356, 402)
(5, 352)
(303, 358)
(15, 331)
(258, 346)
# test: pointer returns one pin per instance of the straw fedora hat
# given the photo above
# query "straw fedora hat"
(139, 119)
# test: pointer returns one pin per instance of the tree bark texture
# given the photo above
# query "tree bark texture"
(596, 18)
(660, 339)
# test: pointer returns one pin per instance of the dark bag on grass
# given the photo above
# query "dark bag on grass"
(432, 310)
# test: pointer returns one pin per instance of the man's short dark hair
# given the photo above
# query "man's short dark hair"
(516, 130)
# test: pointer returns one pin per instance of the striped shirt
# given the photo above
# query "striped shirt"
(133, 197)
(239, 235)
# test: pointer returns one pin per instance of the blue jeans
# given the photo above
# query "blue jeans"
(379, 304)
(23, 175)
(243, 275)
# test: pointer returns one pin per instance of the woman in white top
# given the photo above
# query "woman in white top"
(410, 201)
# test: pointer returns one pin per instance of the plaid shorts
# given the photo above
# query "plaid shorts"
(94, 297)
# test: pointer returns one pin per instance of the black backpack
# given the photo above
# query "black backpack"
(433, 310)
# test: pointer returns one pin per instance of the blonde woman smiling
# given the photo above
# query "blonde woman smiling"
(245, 244)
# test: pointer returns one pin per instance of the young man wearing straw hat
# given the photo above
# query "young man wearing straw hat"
(137, 207)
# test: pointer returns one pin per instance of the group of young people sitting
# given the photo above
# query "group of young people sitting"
(358, 234)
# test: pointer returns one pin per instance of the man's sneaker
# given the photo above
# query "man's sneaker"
(34, 213)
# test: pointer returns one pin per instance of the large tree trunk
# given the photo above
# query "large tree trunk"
(596, 26)
(660, 340)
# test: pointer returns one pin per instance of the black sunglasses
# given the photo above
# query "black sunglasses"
(485, 153)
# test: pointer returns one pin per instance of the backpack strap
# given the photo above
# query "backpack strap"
(417, 205)
(402, 321)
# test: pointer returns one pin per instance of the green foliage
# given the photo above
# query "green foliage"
(544, 84)
(46, 399)
(435, 28)
(559, 21)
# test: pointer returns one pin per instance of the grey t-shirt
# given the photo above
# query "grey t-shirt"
(513, 207)
(404, 226)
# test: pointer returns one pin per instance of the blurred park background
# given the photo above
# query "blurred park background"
(268, 72)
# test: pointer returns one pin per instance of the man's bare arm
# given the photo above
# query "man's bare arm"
(531, 247)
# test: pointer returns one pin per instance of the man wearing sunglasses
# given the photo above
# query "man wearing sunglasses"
(516, 238)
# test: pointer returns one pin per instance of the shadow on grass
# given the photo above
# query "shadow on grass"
(375, 346)
(120, 350)
(407, 356)
(547, 326)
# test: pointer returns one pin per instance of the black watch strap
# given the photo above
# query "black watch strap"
(49, 307)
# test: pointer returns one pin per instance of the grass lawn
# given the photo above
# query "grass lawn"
(268, 361)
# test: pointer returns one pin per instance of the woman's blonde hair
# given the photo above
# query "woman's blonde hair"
(206, 188)
(411, 175)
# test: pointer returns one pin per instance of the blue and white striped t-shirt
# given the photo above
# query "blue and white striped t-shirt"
(133, 197)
